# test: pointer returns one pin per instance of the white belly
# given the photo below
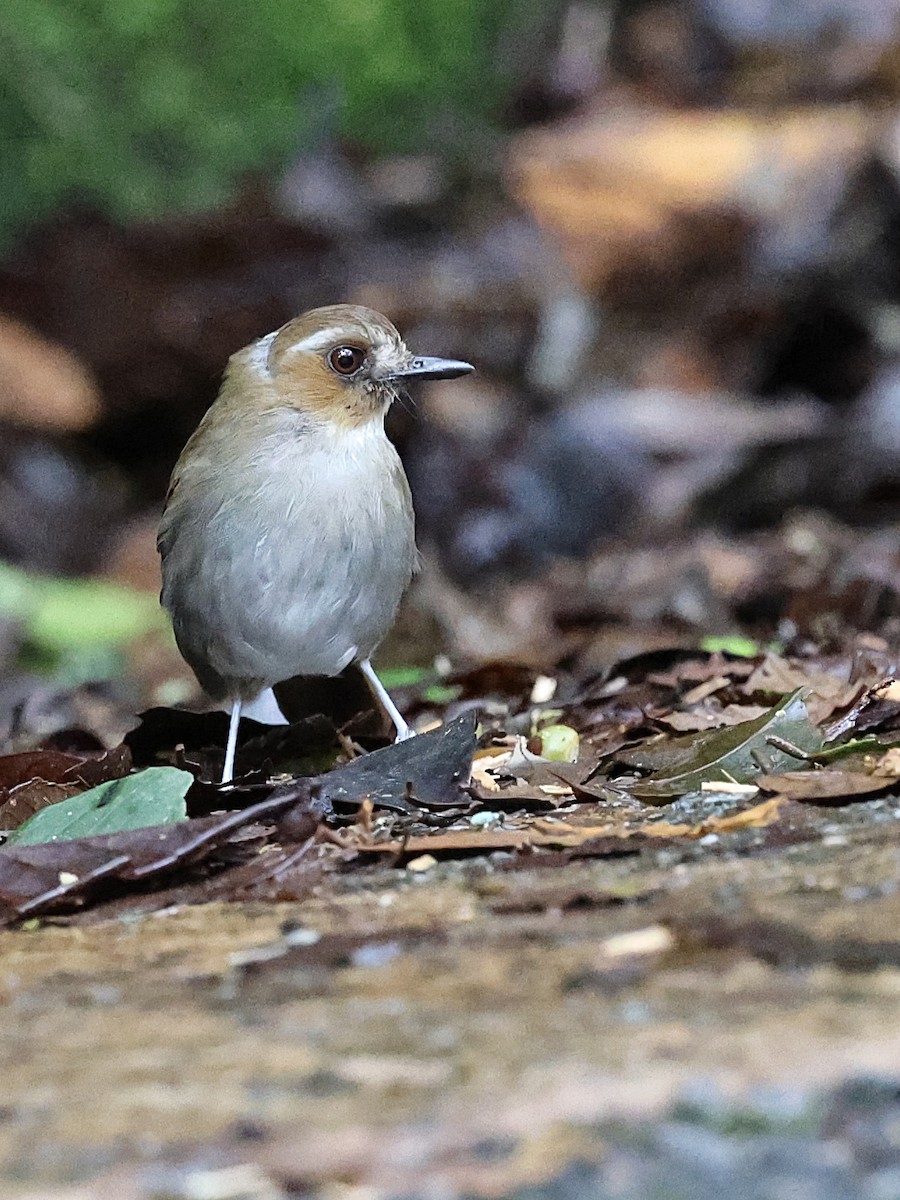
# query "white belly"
(301, 571)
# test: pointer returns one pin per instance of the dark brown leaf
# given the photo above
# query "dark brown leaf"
(828, 785)
(24, 801)
(62, 875)
(427, 771)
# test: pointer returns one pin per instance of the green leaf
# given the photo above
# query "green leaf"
(62, 613)
(442, 693)
(740, 647)
(398, 677)
(738, 754)
(151, 797)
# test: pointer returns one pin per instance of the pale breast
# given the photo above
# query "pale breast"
(292, 561)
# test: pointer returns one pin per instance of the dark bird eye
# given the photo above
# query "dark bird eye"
(346, 359)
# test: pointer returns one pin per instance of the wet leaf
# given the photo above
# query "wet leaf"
(738, 754)
(151, 797)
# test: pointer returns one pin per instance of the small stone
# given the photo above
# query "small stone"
(423, 863)
(543, 689)
(486, 819)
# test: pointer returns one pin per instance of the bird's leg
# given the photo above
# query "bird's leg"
(380, 692)
(228, 769)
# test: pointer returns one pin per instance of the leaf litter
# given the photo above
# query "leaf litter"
(81, 826)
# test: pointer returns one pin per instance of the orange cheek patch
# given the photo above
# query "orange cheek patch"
(310, 385)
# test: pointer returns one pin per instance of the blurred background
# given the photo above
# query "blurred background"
(667, 233)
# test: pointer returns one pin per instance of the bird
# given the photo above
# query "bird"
(287, 538)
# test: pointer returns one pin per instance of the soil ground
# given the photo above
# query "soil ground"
(722, 1014)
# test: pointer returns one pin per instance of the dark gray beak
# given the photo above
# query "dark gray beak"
(432, 368)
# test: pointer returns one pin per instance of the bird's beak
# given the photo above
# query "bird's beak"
(432, 368)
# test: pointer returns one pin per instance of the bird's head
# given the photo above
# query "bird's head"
(343, 363)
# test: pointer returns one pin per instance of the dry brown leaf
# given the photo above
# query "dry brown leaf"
(483, 777)
(777, 676)
(712, 718)
(552, 832)
(889, 764)
(704, 689)
(730, 788)
(24, 801)
(826, 784)
(608, 185)
(653, 939)
(750, 818)
(43, 386)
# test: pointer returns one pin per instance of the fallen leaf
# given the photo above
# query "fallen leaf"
(482, 776)
(40, 878)
(196, 741)
(757, 817)
(543, 690)
(608, 838)
(423, 863)
(34, 779)
(827, 784)
(890, 763)
(705, 689)
(431, 767)
(711, 718)
(609, 184)
(824, 692)
(24, 801)
(151, 797)
(731, 789)
(736, 755)
(49, 765)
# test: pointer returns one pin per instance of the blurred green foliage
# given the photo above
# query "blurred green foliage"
(149, 106)
(58, 615)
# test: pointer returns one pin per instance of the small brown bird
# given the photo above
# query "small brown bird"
(287, 538)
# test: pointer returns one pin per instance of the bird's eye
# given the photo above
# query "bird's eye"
(346, 359)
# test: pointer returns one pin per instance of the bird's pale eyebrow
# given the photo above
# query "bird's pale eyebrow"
(325, 339)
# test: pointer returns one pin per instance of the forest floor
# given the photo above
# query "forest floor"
(669, 969)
